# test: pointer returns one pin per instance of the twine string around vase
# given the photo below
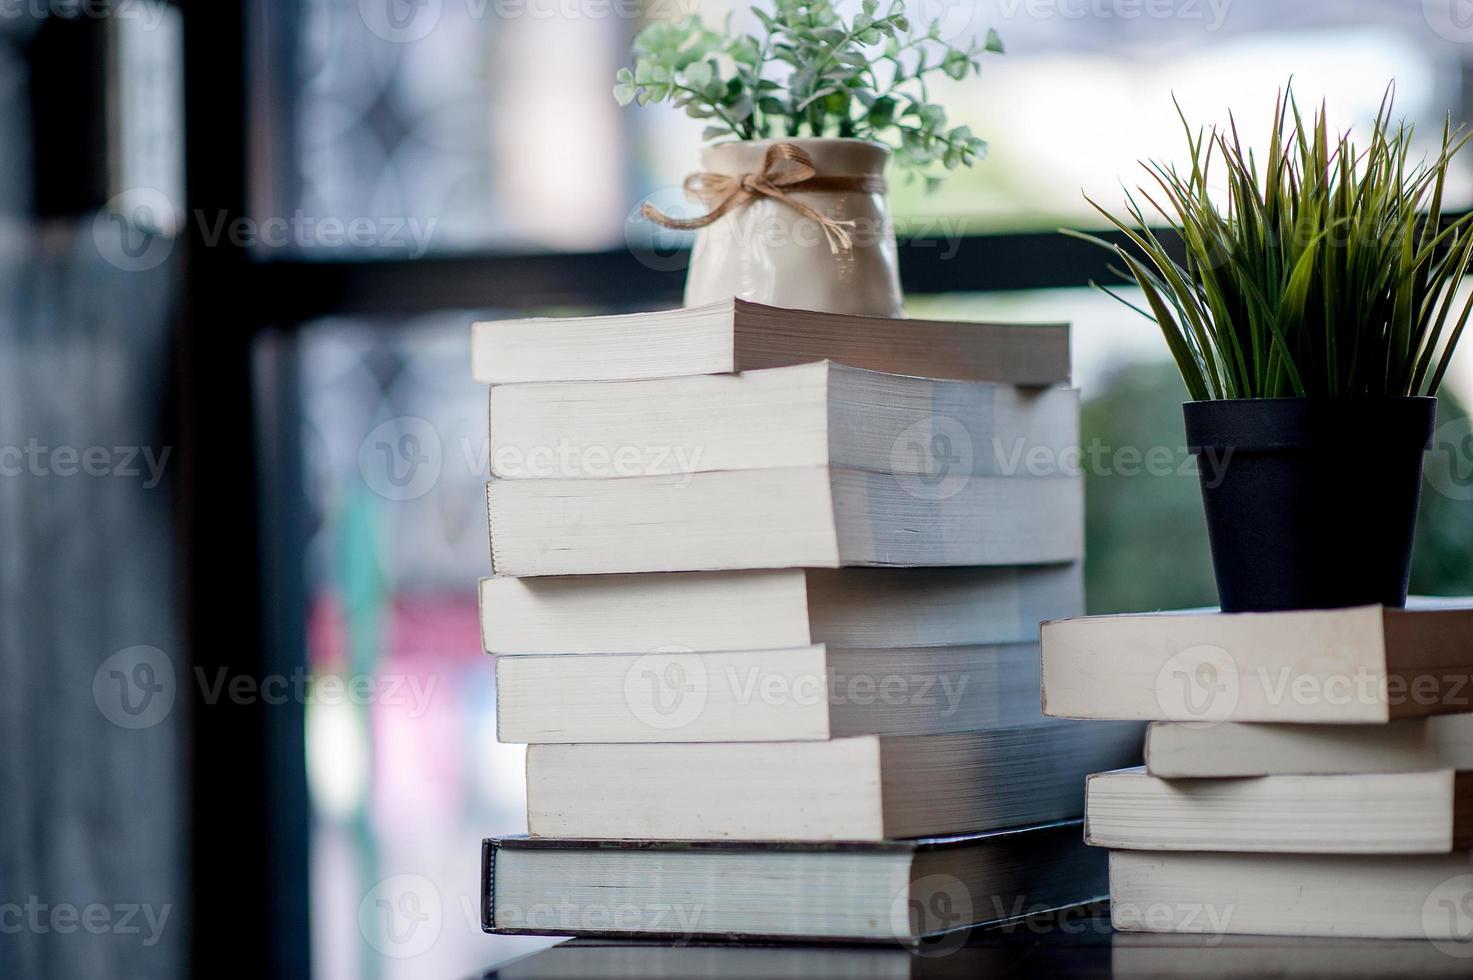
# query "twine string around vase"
(785, 167)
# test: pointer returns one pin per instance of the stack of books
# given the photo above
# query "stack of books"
(766, 594)
(1307, 772)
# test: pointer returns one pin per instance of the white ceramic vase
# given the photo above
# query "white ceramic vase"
(767, 252)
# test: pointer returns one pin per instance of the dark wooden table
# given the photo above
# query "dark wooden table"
(1077, 944)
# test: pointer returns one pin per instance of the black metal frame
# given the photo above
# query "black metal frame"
(291, 292)
(248, 848)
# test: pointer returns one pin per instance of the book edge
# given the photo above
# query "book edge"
(894, 845)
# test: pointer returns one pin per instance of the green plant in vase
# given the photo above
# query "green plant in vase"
(1309, 300)
(812, 73)
(805, 114)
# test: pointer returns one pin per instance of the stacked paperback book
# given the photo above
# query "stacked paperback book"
(1307, 772)
(765, 602)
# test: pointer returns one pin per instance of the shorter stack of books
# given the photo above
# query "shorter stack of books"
(1307, 773)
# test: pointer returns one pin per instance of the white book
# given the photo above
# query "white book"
(886, 891)
(806, 415)
(1355, 895)
(1366, 813)
(736, 335)
(1362, 665)
(1184, 955)
(864, 788)
(1181, 749)
(773, 609)
(815, 692)
(797, 517)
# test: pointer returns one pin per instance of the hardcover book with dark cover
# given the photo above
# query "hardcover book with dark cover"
(904, 891)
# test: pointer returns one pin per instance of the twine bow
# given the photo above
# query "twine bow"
(786, 167)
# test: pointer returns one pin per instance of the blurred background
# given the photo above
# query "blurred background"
(245, 713)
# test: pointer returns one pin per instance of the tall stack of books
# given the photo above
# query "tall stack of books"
(766, 594)
(1307, 772)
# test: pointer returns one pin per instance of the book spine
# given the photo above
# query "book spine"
(488, 885)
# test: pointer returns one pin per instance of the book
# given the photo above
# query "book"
(1180, 955)
(1388, 896)
(806, 415)
(773, 609)
(1361, 665)
(863, 788)
(884, 891)
(718, 959)
(1176, 749)
(1076, 945)
(720, 338)
(814, 692)
(806, 516)
(1364, 813)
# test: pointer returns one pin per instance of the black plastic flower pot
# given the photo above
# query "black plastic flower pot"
(1311, 503)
